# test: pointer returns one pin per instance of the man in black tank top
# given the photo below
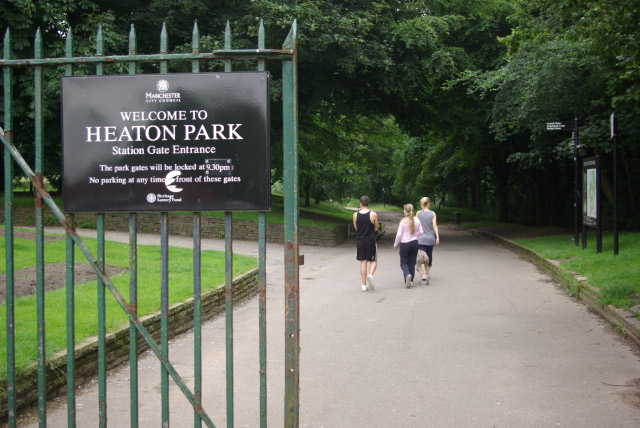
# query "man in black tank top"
(366, 225)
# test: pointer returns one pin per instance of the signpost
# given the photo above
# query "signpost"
(614, 132)
(571, 126)
(171, 142)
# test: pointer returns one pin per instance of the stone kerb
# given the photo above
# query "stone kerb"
(211, 227)
(577, 285)
(117, 343)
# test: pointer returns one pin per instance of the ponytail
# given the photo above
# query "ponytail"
(409, 209)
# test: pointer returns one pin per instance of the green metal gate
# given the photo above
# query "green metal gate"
(290, 143)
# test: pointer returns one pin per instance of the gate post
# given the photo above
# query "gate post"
(8, 235)
(291, 267)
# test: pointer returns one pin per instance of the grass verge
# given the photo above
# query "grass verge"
(149, 271)
(617, 277)
(325, 215)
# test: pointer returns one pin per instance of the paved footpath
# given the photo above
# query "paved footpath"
(492, 342)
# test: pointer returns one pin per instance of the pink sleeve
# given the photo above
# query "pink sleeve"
(399, 235)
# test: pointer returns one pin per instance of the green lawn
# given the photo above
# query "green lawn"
(325, 215)
(149, 271)
(617, 277)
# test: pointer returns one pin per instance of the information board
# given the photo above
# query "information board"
(589, 192)
(170, 142)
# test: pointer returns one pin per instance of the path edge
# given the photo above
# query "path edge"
(576, 286)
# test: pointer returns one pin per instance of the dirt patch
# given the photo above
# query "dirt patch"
(31, 235)
(54, 277)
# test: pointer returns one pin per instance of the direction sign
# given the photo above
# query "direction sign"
(562, 125)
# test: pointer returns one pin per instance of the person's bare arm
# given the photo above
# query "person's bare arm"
(355, 226)
(435, 228)
(374, 220)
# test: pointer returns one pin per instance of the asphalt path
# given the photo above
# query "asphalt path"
(491, 342)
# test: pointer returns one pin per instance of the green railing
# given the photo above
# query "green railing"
(290, 143)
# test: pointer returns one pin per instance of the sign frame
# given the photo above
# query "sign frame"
(591, 200)
(170, 142)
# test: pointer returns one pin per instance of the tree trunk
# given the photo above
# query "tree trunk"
(307, 193)
(442, 200)
(501, 172)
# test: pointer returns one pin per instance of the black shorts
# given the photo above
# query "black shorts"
(367, 250)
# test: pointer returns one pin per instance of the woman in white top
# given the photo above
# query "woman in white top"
(407, 239)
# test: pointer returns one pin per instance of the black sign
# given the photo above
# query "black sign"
(170, 142)
(568, 125)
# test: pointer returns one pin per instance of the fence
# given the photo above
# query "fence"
(290, 143)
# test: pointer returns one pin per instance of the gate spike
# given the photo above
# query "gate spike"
(7, 44)
(195, 39)
(38, 44)
(227, 45)
(227, 36)
(290, 42)
(195, 47)
(261, 35)
(132, 49)
(69, 43)
(132, 40)
(164, 39)
(68, 51)
(99, 41)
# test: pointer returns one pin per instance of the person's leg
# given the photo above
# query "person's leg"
(372, 267)
(423, 263)
(371, 258)
(404, 263)
(361, 255)
(413, 256)
(429, 251)
(363, 271)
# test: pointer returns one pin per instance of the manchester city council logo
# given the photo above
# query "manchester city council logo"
(162, 85)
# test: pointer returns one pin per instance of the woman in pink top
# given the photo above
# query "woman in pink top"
(407, 239)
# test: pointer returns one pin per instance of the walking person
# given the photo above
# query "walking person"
(365, 222)
(430, 237)
(409, 230)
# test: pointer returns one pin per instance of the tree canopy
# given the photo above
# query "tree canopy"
(402, 99)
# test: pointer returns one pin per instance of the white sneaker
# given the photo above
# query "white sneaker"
(424, 280)
(365, 288)
(408, 281)
(370, 285)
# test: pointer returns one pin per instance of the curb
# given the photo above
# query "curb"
(576, 285)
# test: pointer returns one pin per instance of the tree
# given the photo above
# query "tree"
(566, 59)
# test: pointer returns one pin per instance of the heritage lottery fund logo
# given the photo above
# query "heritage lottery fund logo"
(163, 95)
